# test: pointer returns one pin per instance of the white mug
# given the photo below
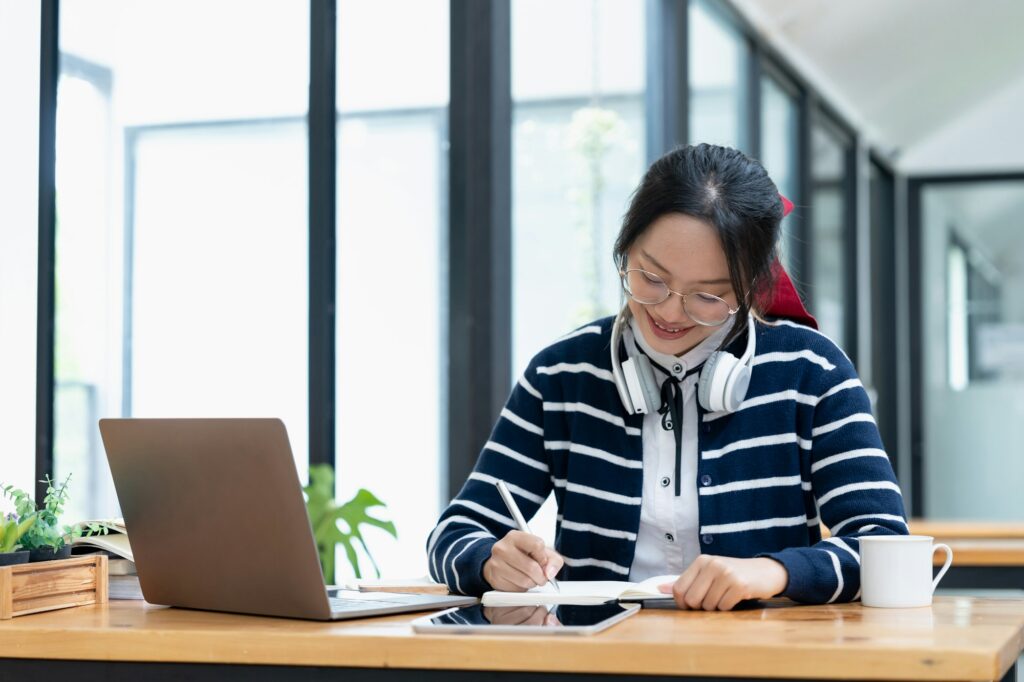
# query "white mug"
(896, 570)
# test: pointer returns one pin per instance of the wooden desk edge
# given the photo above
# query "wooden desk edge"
(394, 647)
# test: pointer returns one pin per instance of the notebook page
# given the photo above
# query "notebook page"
(569, 592)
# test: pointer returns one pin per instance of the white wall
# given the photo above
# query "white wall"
(19, 135)
(985, 139)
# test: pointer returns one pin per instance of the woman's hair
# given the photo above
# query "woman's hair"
(730, 192)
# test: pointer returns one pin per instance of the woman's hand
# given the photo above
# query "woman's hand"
(520, 561)
(719, 582)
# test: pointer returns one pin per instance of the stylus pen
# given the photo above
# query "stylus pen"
(517, 516)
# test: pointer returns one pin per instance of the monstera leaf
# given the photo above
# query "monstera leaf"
(324, 515)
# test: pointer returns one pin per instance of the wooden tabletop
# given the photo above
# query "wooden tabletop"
(974, 543)
(957, 638)
(979, 530)
(983, 552)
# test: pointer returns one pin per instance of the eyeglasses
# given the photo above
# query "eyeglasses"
(649, 289)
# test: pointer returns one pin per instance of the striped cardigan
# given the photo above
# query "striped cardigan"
(803, 449)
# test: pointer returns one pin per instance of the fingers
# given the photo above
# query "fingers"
(520, 561)
(682, 586)
(710, 584)
(733, 596)
(721, 583)
(694, 597)
(527, 555)
(554, 562)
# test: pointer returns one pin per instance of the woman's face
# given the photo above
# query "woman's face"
(687, 254)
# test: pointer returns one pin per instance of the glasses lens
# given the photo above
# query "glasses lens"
(645, 287)
(707, 309)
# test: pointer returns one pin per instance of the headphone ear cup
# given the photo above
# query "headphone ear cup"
(704, 384)
(736, 388)
(714, 380)
(648, 384)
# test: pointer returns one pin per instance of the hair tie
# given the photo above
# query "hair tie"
(787, 206)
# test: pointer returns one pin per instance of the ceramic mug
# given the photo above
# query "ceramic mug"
(896, 570)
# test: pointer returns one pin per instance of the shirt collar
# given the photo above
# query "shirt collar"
(680, 365)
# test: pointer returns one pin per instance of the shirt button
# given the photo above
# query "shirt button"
(705, 480)
(677, 368)
(665, 480)
(668, 536)
(707, 539)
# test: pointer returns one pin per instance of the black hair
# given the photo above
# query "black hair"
(730, 192)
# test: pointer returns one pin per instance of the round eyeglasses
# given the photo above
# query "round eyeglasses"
(649, 289)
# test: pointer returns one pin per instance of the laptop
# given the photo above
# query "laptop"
(218, 522)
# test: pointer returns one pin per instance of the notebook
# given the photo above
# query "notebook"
(583, 592)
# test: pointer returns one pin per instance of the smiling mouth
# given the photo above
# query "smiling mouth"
(662, 327)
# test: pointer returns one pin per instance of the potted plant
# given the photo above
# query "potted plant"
(46, 539)
(324, 515)
(11, 531)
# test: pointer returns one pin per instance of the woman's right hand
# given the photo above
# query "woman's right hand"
(520, 561)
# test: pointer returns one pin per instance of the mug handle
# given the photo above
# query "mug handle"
(945, 566)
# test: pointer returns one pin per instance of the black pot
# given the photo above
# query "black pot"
(12, 558)
(48, 554)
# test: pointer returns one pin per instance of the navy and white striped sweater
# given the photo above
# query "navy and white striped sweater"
(802, 449)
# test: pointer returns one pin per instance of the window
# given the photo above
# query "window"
(391, 265)
(578, 154)
(181, 233)
(19, 160)
(831, 234)
(779, 119)
(972, 345)
(718, 56)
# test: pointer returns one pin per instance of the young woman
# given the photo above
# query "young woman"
(667, 457)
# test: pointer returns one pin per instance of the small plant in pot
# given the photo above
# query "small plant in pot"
(46, 539)
(11, 532)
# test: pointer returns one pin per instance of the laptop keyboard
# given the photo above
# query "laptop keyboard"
(342, 604)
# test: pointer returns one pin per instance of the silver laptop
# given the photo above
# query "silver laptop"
(217, 521)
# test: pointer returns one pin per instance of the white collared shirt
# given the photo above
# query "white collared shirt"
(668, 539)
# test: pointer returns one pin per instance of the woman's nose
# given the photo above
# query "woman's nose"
(673, 309)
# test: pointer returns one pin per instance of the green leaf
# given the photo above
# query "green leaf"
(324, 515)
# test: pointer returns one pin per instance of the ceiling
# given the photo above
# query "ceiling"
(902, 70)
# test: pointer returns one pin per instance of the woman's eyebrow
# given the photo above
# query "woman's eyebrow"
(665, 270)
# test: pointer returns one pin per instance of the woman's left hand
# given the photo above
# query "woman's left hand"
(720, 582)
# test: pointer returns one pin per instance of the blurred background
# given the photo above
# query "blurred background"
(365, 216)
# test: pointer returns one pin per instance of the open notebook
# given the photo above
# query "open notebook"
(582, 592)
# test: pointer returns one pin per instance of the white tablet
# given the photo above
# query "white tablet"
(563, 619)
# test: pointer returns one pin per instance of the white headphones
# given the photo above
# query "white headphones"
(723, 379)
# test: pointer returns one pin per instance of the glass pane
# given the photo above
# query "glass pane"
(578, 154)
(829, 234)
(392, 287)
(181, 236)
(718, 57)
(779, 114)
(19, 248)
(973, 367)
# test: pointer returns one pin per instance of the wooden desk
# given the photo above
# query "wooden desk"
(955, 639)
(977, 530)
(986, 555)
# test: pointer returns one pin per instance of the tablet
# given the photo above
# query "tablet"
(563, 619)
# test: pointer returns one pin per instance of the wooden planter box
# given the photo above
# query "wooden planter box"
(48, 585)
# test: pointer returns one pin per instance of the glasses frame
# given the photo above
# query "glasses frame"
(623, 274)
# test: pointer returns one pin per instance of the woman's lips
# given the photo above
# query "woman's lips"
(662, 331)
